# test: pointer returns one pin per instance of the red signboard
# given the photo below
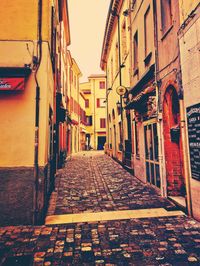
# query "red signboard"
(12, 84)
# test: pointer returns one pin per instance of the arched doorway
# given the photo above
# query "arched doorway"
(172, 144)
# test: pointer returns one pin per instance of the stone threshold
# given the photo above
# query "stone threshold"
(180, 202)
(110, 215)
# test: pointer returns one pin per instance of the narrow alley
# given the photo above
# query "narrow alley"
(100, 214)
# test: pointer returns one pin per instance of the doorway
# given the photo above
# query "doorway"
(128, 142)
(172, 144)
(88, 147)
(115, 143)
(101, 142)
(151, 154)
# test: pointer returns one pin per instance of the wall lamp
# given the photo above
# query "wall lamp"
(126, 12)
(118, 104)
(125, 98)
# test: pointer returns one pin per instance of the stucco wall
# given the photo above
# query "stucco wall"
(17, 118)
(23, 15)
(190, 61)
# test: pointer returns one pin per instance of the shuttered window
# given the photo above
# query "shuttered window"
(102, 122)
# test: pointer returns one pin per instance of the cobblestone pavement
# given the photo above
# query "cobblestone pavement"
(163, 241)
(101, 184)
(149, 242)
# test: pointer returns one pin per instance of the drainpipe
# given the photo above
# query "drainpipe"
(107, 115)
(158, 98)
(185, 159)
(94, 113)
(79, 108)
(37, 112)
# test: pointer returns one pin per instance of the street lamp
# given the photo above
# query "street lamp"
(118, 105)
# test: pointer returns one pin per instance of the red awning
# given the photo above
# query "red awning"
(12, 84)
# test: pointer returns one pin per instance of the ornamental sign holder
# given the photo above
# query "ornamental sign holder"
(121, 90)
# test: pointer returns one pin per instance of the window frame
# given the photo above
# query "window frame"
(102, 123)
(100, 84)
(165, 27)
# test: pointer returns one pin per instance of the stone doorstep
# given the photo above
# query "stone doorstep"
(180, 202)
(110, 215)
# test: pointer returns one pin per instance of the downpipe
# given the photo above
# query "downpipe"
(37, 113)
(185, 159)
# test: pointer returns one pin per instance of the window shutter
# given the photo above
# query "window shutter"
(98, 102)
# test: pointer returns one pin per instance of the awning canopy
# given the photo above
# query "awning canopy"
(13, 79)
(12, 84)
(140, 99)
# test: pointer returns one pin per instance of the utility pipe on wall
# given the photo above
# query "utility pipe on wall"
(37, 113)
(185, 158)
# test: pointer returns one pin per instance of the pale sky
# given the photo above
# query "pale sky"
(87, 20)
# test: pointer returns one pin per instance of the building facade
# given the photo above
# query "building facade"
(31, 111)
(144, 59)
(75, 74)
(94, 92)
(82, 130)
(188, 35)
(168, 80)
(115, 61)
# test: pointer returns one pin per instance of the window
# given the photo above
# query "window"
(135, 52)
(89, 120)
(111, 69)
(166, 15)
(75, 81)
(101, 102)
(108, 79)
(124, 48)
(102, 122)
(147, 32)
(116, 58)
(72, 104)
(87, 103)
(102, 85)
(71, 77)
(133, 4)
(53, 39)
(137, 150)
(120, 132)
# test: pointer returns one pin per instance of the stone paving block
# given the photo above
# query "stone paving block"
(102, 185)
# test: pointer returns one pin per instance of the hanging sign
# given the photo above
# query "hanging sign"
(12, 84)
(193, 119)
(121, 90)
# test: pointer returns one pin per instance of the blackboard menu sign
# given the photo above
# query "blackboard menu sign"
(193, 119)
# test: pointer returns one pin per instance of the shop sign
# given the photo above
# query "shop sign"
(12, 84)
(121, 90)
(193, 119)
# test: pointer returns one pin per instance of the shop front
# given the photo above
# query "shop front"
(145, 135)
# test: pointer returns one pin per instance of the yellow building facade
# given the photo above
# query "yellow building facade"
(75, 74)
(27, 112)
(82, 123)
(115, 61)
(95, 94)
